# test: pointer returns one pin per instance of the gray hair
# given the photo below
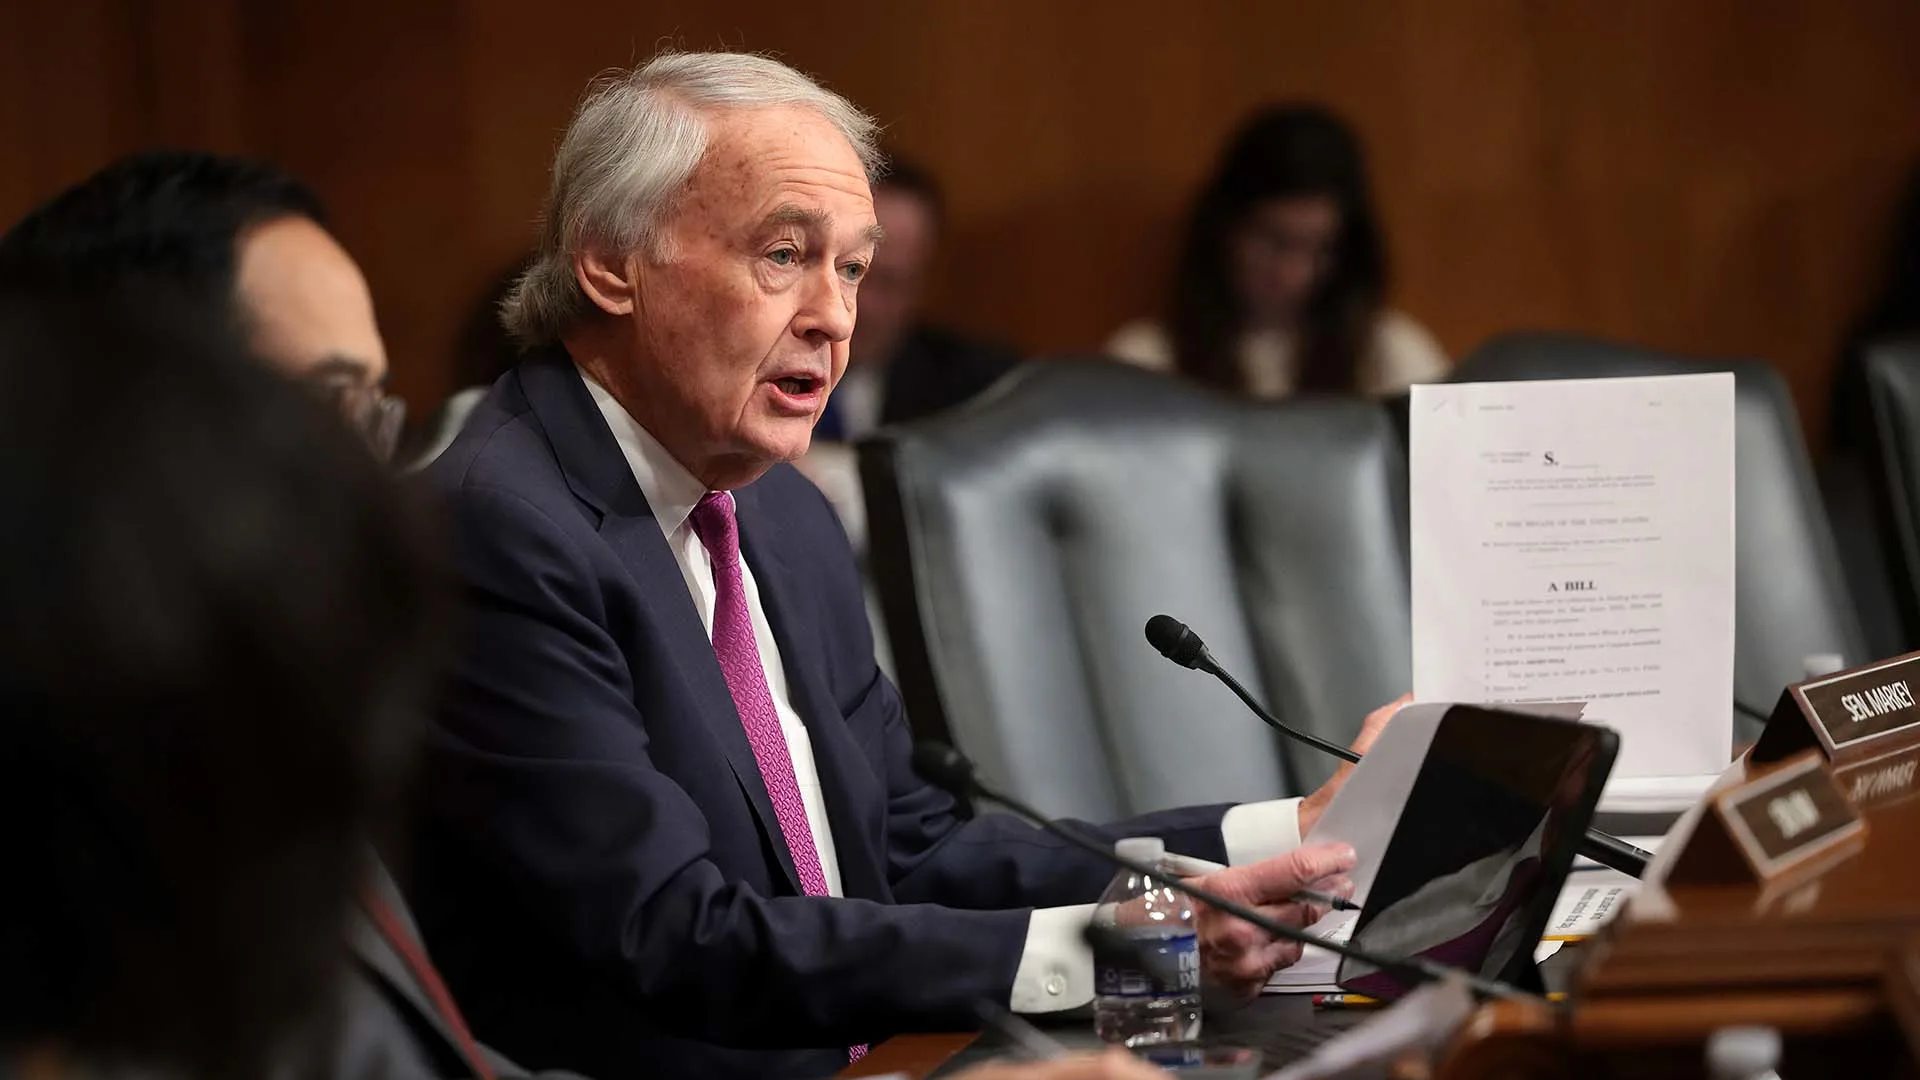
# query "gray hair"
(633, 144)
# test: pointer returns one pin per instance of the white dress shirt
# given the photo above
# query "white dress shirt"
(1056, 968)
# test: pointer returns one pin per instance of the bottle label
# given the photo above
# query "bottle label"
(1172, 968)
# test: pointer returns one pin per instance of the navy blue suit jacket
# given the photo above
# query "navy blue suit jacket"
(602, 877)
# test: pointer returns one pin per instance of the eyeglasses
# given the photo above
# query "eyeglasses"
(376, 414)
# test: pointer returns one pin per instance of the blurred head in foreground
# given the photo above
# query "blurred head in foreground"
(214, 630)
(247, 240)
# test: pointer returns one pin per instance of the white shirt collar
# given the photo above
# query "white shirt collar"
(670, 489)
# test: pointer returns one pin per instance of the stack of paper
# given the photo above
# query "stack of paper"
(1654, 794)
(1317, 968)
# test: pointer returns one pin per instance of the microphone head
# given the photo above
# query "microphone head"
(943, 767)
(1176, 641)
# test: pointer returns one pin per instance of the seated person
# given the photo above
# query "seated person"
(248, 245)
(1282, 278)
(670, 820)
(214, 647)
(483, 354)
(899, 367)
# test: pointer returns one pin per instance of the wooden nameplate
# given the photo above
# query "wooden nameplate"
(1770, 829)
(1865, 720)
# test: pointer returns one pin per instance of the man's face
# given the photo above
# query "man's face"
(890, 295)
(310, 314)
(739, 329)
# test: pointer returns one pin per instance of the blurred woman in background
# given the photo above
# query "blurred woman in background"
(1282, 279)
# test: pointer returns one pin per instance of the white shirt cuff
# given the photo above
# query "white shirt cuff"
(1056, 970)
(1255, 832)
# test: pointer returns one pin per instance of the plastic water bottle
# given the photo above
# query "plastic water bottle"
(1153, 996)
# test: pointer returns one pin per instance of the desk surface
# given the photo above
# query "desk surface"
(1282, 1027)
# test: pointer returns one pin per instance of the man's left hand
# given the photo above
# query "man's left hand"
(1315, 804)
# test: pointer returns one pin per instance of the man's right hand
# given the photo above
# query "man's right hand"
(1112, 1065)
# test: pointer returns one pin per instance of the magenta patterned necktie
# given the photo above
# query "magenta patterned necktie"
(733, 643)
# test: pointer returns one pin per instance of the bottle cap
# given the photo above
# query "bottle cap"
(1143, 849)
(1819, 664)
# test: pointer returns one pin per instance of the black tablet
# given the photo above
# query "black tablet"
(1482, 846)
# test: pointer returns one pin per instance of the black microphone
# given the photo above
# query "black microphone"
(946, 768)
(1178, 643)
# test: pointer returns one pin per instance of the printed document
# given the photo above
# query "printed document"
(1573, 542)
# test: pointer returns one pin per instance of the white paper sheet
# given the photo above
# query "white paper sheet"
(1573, 541)
(1366, 809)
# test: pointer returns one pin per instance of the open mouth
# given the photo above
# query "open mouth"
(798, 385)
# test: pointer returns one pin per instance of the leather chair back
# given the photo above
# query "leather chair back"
(1022, 542)
(1790, 596)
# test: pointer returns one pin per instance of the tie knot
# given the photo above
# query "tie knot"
(714, 524)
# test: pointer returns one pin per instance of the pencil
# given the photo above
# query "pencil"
(1362, 1001)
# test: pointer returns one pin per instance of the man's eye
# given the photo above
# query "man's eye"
(783, 256)
(854, 271)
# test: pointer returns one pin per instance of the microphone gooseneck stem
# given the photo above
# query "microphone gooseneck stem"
(1418, 968)
(1206, 664)
(1614, 853)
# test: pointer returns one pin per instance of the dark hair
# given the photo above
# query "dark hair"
(169, 216)
(1281, 152)
(215, 636)
(907, 175)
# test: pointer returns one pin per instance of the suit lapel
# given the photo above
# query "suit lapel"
(847, 783)
(583, 444)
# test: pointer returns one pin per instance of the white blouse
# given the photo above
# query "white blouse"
(1402, 353)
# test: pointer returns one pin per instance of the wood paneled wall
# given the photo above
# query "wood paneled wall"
(1712, 176)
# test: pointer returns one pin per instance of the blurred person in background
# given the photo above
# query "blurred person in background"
(1894, 312)
(1281, 282)
(245, 244)
(215, 643)
(900, 367)
(1850, 477)
(246, 236)
(483, 353)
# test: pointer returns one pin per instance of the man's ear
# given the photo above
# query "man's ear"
(609, 281)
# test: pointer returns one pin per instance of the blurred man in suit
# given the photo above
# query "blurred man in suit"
(670, 818)
(248, 245)
(215, 647)
(901, 367)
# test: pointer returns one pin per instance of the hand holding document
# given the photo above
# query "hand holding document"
(1573, 542)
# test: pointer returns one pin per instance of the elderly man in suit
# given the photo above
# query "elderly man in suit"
(670, 819)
